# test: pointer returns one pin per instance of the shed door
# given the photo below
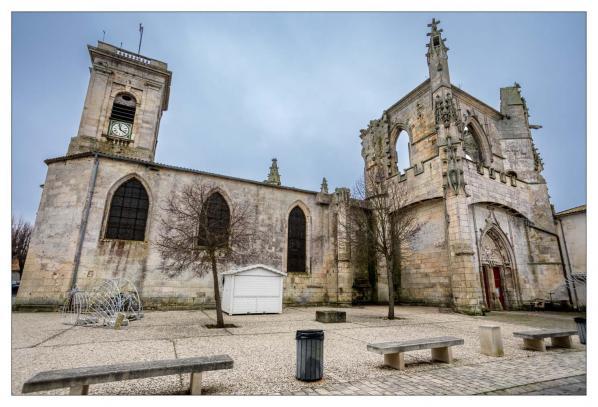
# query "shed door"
(256, 294)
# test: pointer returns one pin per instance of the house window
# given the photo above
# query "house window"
(215, 222)
(296, 241)
(128, 212)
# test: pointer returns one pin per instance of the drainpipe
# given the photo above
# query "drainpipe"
(558, 241)
(84, 218)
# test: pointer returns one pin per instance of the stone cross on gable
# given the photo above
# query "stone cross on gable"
(434, 26)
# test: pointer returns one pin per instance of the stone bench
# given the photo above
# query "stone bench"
(534, 340)
(394, 351)
(80, 378)
(331, 316)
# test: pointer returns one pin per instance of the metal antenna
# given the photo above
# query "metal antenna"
(103, 35)
(140, 37)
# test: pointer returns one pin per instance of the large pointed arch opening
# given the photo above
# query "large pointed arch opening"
(475, 143)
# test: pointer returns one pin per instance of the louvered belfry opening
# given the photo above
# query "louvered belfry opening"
(123, 108)
(128, 212)
(296, 241)
(215, 222)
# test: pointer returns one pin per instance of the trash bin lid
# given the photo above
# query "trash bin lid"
(310, 334)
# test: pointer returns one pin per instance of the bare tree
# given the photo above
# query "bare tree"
(379, 211)
(21, 235)
(201, 232)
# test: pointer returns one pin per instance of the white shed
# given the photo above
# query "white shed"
(255, 289)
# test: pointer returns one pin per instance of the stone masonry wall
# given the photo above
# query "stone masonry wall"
(60, 213)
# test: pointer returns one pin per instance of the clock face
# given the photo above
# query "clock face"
(120, 129)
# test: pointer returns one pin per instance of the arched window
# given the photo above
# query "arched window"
(122, 116)
(296, 241)
(128, 212)
(403, 153)
(470, 146)
(215, 222)
(123, 108)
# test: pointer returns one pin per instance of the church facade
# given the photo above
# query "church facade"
(488, 236)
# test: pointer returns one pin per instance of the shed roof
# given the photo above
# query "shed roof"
(252, 267)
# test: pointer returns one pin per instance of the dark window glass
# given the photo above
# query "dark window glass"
(296, 241)
(213, 228)
(123, 108)
(128, 212)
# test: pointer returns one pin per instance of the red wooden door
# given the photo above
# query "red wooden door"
(498, 286)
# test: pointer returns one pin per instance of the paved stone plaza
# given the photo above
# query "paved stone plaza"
(263, 348)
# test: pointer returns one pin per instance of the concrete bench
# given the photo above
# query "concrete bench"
(79, 379)
(394, 351)
(534, 340)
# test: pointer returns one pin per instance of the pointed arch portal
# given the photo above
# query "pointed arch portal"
(498, 274)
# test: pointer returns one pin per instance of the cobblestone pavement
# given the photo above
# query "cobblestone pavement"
(264, 352)
(575, 385)
(561, 373)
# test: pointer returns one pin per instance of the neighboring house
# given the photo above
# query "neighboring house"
(488, 237)
(15, 275)
(15, 270)
(572, 230)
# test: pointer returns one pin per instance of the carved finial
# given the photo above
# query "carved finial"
(324, 186)
(273, 176)
(518, 86)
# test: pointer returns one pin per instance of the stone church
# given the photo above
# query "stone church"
(488, 237)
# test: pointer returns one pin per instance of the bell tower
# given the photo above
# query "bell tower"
(126, 97)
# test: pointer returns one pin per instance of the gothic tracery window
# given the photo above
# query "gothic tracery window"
(214, 225)
(296, 251)
(128, 212)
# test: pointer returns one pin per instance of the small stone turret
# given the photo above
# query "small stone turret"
(437, 58)
(273, 176)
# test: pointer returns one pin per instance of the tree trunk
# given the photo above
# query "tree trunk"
(219, 317)
(391, 287)
(398, 275)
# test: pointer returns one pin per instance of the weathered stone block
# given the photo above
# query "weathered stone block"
(331, 316)
(491, 341)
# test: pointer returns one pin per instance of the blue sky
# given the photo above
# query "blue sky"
(248, 87)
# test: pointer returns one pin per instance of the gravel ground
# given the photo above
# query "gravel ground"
(262, 346)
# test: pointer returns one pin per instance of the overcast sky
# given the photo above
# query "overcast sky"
(248, 87)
